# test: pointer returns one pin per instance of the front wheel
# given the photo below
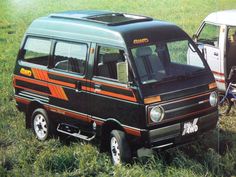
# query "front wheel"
(224, 105)
(119, 148)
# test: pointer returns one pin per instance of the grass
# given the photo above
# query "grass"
(213, 154)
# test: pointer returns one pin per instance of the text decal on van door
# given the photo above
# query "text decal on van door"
(25, 72)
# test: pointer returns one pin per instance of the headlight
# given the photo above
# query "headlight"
(157, 114)
(213, 99)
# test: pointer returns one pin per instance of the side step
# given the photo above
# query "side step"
(75, 132)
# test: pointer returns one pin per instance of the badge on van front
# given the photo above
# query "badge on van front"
(190, 127)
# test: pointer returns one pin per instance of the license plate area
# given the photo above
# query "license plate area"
(190, 127)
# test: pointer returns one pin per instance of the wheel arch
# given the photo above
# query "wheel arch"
(30, 108)
(109, 125)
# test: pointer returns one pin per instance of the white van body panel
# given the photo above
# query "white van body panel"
(216, 56)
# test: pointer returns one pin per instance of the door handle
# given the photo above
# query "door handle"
(216, 54)
(97, 88)
(78, 86)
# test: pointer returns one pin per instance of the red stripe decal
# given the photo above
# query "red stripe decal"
(220, 80)
(218, 73)
(22, 100)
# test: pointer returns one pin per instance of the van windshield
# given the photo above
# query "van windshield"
(166, 61)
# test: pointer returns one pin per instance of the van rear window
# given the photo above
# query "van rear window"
(37, 51)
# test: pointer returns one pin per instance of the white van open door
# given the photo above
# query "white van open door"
(211, 40)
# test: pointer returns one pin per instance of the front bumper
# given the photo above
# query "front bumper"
(172, 135)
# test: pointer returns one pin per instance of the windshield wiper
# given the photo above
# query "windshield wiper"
(149, 81)
(174, 78)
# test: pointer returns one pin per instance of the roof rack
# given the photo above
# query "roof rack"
(103, 17)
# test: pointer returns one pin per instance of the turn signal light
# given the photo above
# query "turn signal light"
(152, 99)
(212, 85)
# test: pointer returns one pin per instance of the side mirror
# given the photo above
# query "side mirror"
(194, 37)
(122, 72)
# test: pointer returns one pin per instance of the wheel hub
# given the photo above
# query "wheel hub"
(115, 151)
(40, 126)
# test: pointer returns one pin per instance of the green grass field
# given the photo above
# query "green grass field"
(213, 154)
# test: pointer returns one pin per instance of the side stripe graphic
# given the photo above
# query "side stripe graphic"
(87, 118)
(55, 90)
(43, 75)
(116, 95)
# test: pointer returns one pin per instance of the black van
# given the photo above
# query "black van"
(123, 78)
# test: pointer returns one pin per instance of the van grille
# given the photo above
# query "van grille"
(188, 107)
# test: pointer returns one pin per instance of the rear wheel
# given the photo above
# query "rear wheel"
(225, 105)
(119, 148)
(41, 124)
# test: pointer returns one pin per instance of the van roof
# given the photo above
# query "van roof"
(102, 26)
(226, 17)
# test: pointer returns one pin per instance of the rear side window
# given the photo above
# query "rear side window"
(70, 57)
(37, 51)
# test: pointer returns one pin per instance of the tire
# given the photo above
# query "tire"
(41, 124)
(225, 106)
(119, 148)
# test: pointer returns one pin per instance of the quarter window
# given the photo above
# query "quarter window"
(107, 58)
(210, 35)
(37, 51)
(70, 57)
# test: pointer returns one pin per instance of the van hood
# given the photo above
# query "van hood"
(178, 88)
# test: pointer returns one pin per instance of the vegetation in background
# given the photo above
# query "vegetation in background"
(213, 154)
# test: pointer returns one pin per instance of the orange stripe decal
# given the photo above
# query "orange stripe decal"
(58, 92)
(68, 113)
(133, 99)
(22, 100)
(116, 95)
(35, 74)
(43, 75)
(31, 80)
(132, 131)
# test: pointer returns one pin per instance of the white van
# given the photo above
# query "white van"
(216, 38)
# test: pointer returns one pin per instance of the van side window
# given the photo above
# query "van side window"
(210, 35)
(70, 57)
(37, 51)
(107, 58)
